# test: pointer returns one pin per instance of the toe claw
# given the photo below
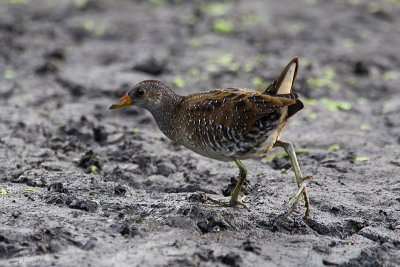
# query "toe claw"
(292, 204)
(229, 203)
(238, 203)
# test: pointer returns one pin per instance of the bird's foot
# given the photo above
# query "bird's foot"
(295, 199)
(230, 203)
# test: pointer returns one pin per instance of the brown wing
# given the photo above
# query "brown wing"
(231, 116)
(234, 107)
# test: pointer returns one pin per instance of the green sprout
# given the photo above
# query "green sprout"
(312, 116)
(390, 75)
(248, 67)
(31, 189)
(194, 42)
(310, 101)
(93, 169)
(193, 71)
(295, 123)
(15, 2)
(325, 81)
(222, 26)
(334, 105)
(361, 101)
(81, 3)
(9, 74)
(334, 147)
(223, 59)
(361, 159)
(178, 81)
(365, 127)
(157, 2)
(4, 191)
(217, 8)
(212, 68)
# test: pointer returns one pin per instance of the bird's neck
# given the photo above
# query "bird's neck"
(165, 112)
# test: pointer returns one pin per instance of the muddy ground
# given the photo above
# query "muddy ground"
(85, 186)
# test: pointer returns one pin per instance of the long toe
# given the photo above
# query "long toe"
(230, 203)
(238, 203)
(292, 204)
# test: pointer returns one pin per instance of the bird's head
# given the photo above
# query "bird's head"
(150, 94)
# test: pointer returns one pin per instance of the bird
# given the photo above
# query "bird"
(227, 124)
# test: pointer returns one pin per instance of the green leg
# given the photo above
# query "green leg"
(301, 181)
(235, 195)
(234, 201)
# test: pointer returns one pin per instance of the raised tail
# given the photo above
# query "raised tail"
(282, 86)
(284, 82)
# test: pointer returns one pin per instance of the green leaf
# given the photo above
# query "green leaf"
(89, 25)
(234, 67)
(362, 159)
(361, 101)
(334, 147)
(374, 7)
(258, 81)
(312, 115)
(31, 189)
(334, 105)
(194, 42)
(325, 81)
(93, 169)
(329, 73)
(157, 2)
(193, 71)
(310, 2)
(212, 68)
(4, 192)
(248, 67)
(310, 101)
(365, 127)
(178, 81)
(9, 74)
(222, 26)
(390, 75)
(351, 81)
(15, 2)
(295, 123)
(223, 59)
(217, 8)
(81, 3)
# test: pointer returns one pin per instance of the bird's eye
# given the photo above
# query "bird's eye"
(140, 92)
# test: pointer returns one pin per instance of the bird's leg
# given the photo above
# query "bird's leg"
(301, 181)
(235, 195)
(234, 201)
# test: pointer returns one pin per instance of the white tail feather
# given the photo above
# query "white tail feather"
(287, 81)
